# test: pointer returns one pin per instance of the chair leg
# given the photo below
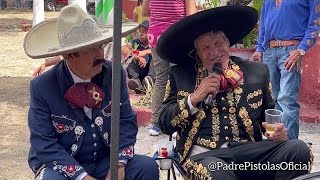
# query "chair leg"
(173, 173)
(168, 177)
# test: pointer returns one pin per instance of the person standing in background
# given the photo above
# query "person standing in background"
(138, 17)
(137, 13)
(162, 14)
(287, 30)
(18, 4)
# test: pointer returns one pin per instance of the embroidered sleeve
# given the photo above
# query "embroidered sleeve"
(43, 137)
(128, 123)
(176, 112)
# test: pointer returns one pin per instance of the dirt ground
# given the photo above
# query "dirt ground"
(15, 73)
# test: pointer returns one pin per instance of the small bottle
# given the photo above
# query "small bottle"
(163, 152)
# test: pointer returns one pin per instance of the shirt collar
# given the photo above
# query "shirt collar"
(76, 79)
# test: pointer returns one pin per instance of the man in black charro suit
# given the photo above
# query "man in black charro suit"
(222, 138)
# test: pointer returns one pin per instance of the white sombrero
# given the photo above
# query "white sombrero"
(72, 31)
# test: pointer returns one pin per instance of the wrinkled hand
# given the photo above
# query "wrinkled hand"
(87, 177)
(257, 56)
(280, 133)
(293, 61)
(39, 70)
(142, 62)
(121, 174)
(209, 85)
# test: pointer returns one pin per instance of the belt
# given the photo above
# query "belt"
(279, 43)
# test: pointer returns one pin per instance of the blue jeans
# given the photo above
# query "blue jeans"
(285, 87)
(18, 3)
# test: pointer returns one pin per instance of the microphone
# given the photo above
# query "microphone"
(217, 69)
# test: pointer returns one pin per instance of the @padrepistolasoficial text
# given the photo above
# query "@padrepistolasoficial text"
(250, 166)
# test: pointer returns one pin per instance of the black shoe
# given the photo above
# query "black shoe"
(135, 85)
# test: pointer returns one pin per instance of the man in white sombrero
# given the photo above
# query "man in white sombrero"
(70, 105)
(216, 103)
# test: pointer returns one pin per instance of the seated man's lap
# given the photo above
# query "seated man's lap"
(274, 152)
(140, 167)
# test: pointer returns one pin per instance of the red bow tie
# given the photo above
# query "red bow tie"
(85, 94)
(230, 79)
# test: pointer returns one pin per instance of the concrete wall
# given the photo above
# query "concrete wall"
(310, 87)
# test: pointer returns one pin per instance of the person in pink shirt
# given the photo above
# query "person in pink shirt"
(162, 14)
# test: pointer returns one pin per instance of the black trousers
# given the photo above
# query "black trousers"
(136, 72)
(264, 160)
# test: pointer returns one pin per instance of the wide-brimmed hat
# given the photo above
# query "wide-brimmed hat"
(72, 31)
(176, 44)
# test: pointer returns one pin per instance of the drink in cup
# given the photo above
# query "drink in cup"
(273, 116)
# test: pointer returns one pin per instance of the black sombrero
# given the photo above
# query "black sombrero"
(176, 43)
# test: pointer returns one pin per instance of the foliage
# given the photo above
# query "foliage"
(145, 100)
(250, 40)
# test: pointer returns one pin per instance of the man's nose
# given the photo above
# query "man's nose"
(214, 50)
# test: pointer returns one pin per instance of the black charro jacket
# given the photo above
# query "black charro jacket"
(235, 115)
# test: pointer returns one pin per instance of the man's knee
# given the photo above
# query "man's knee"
(208, 168)
(143, 168)
(50, 174)
(297, 151)
(146, 163)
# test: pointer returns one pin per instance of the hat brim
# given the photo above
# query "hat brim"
(175, 44)
(41, 41)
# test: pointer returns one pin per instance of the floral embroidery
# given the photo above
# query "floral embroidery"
(183, 93)
(68, 170)
(128, 151)
(181, 118)
(200, 116)
(79, 130)
(244, 115)
(196, 170)
(62, 123)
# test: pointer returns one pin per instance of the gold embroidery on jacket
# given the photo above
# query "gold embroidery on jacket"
(244, 115)
(256, 105)
(252, 95)
(196, 170)
(168, 88)
(182, 118)
(183, 93)
(215, 123)
(200, 116)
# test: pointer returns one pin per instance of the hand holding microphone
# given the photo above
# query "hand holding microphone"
(216, 69)
(208, 87)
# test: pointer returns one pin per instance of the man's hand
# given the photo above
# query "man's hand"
(280, 133)
(257, 56)
(121, 174)
(209, 85)
(87, 177)
(142, 62)
(144, 52)
(39, 70)
(293, 61)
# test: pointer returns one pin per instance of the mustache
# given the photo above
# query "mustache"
(98, 62)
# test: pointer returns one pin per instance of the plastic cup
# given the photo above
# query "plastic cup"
(273, 117)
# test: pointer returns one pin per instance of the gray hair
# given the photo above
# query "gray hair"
(211, 33)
